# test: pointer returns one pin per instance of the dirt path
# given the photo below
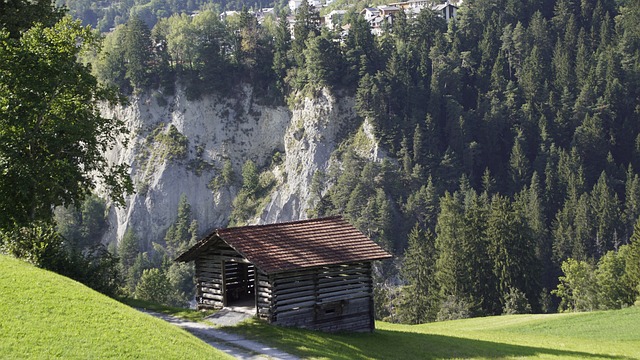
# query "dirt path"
(232, 344)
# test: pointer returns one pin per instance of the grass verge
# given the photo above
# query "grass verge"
(186, 314)
(45, 315)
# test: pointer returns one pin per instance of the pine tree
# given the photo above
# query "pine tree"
(605, 205)
(519, 164)
(418, 266)
(306, 25)
(423, 205)
(281, 45)
(512, 250)
(449, 230)
(478, 279)
(128, 249)
(180, 234)
(138, 52)
(632, 203)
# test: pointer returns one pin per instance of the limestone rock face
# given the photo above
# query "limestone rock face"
(177, 146)
(310, 139)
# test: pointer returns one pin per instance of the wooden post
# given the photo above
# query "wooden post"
(224, 284)
(255, 289)
(372, 315)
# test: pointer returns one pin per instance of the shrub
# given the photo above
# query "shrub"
(515, 302)
(41, 245)
(154, 286)
(577, 289)
(615, 291)
(454, 308)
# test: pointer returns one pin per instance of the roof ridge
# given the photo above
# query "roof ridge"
(334, 217)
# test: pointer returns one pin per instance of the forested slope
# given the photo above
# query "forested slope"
(512, 134)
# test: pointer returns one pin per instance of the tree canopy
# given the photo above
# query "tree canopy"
(52, 136)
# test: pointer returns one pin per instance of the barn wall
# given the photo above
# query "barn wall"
(330, 298)
(209, 280)
(210, 288)
(264, 296)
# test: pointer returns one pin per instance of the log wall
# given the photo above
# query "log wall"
(330, 298)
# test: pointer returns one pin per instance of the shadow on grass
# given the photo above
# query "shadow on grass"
(387, 344)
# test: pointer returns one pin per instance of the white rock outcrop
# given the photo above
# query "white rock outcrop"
(219, 128)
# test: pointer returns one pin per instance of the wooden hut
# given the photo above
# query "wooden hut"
(314, 274)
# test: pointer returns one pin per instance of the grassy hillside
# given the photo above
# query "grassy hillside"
(599, 335)
(44, 315)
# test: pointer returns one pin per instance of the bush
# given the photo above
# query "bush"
(41, 245)
(454, 308)
(515, 302)
(585, 287)
(577, 289)
(155, 286)
(615, 290)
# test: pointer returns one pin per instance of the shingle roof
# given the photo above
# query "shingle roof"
(294, 245)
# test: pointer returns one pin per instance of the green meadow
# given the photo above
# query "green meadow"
(44, 315)
(597, 335)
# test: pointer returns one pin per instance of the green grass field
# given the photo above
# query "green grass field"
(44, 315)
(599, 335)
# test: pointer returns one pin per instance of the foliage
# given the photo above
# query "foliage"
(43, 246)
(52, 135)
(84, 226)
(578, 287)
(137, 52)
(254, 194)
(154, 286)
(454, 308)
(70, 316)
(421, 295)
(515, 302)
(614, 289)
(38, 244)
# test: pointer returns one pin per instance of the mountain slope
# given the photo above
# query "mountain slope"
(45, 315)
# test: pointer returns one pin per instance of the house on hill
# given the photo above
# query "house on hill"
(314, 274)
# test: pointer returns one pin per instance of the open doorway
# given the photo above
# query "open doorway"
(240, 285)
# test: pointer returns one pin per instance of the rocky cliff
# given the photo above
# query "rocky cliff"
(177, 146)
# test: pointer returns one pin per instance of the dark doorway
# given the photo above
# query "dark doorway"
(240, 281)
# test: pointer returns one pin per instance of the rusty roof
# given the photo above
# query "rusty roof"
(295, 245)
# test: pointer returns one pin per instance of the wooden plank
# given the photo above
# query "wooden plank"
(293, 294)
(294, 300)
(296, 284)
(290, 279)
(235, 259)
(279, 309)
(212, 296)
(345, 297)
(353, 288)
(332, 279)
(263, 294)
(224, 284)
(212, 291)
(212, 283)
(344, 283)
(295, 289)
